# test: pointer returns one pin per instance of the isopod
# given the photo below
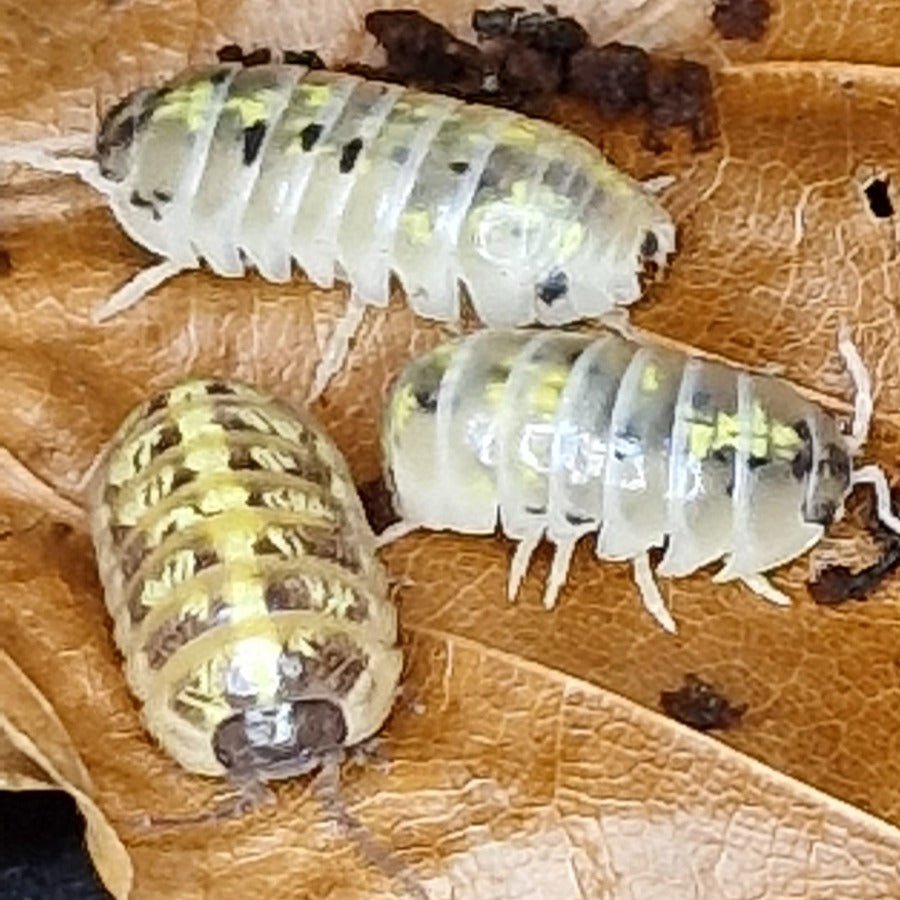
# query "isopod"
(558, 435)
(359, 180)
(240, 574)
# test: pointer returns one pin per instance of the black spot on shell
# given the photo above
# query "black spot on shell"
(553, 287)
(650, 245)
(159, 402)
(162, 196)
(801, 464)
(536, 510)
(310, 135)
(140, 202)
(400, 155)
(204, 559)
(427, 398)
(253, 139)
(349, 153)
(308, 58)
(756, 462)
(219, 77)
(219, 388)
(169, 437)
(459, 168)
(573, 519)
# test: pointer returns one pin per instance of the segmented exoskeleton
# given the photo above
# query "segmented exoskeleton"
(240, 573)
(558, 435)
(357, 180)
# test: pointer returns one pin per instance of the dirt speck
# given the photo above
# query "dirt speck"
(741, 19)
(698, 704)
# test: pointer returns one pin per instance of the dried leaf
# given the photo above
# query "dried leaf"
(536, 766)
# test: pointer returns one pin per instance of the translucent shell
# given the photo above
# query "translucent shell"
(241, 577)
(556, 435)
(275, 166)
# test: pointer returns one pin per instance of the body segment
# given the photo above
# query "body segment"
(240, 574)
(559, 435)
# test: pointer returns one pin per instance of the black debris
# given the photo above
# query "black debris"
(378, 504)
(613, 77)
(426, 53)
(230, 53)
(253, 139)
(699, 705)
(741, 19)
(259, 57)
(878, 194)
(680, 93)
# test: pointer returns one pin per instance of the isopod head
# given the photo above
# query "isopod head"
(115, 144)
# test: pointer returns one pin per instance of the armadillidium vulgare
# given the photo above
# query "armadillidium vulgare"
(279, 165)
(241, 576)
(558, 435)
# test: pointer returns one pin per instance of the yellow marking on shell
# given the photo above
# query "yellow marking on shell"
(245, 593)
(650, 378)
(339, 600)
(727, 430)
(180, 517)
(129, 508)
(177, 568)
(222, 497)
(315, 95)
(785, 437)
(289, 543)
(520, 132)
(700, 439)
(298, 643)
(543, 396)
(251, 108)
(403, 405)
(416, 223)
(568, 239)
(188, 103)
(207, 456)
(234, 534)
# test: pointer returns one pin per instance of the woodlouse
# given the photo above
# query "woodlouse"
(241, 576)
(558, 435)
(358, 180)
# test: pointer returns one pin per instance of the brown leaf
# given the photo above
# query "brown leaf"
(532, 762)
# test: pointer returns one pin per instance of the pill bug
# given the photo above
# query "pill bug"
(357, 180)
(558, 435)
(240, 574)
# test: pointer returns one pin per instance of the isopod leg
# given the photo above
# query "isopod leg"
(874, 476)
(337, 347)
(131, 293)
(862, 383)
(519, 565)
(559, 571)
(394, 533)
(650, 593)
(762, 587)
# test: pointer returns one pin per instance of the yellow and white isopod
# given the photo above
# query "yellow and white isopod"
(240, 573)
(276, 165)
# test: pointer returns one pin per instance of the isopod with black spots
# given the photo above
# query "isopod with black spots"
(278, 166)
(557, 435)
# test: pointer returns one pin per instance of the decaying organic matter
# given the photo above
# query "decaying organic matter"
(700, 705)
